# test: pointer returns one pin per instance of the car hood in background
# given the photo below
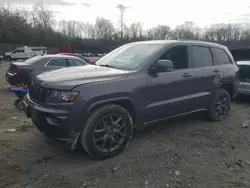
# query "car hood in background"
(67, 78)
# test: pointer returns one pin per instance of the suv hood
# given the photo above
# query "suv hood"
(68, 78)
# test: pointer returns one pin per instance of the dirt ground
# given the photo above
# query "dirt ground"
(181, 153)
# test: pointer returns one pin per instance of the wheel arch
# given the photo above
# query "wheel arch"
(125, 102)
(7, 56)
(229, 87)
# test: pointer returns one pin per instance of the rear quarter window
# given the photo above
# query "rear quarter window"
(75, 62)
(57, 63)
(221, 57)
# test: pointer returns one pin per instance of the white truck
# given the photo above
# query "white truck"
(25, 53)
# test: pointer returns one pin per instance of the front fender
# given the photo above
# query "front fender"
(110, 100)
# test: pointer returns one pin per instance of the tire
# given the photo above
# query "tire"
(107, 113)
(213, 113)
(8, 58)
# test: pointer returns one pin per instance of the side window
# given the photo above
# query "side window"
(178, 55)
(21, 51)
(202, 57)
(221, 56)
(57, 63)
(36, 49)
(75, 62)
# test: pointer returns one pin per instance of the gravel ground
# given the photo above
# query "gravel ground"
(181, 153)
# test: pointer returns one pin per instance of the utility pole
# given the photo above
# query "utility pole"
(122, 9)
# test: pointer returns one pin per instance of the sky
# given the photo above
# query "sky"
(150, 13)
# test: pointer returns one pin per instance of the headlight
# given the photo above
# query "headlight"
(64, 96)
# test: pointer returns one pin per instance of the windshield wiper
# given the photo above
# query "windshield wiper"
(106, 65)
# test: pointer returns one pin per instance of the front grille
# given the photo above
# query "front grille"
(38, 94)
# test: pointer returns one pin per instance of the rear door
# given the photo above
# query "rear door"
(207, 76)
(225, 61)
(15, 54)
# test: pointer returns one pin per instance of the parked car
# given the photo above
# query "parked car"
(22, 72)
(25, 53)
(244, 77)
(79, 56)
(135, 85)
(242, 58)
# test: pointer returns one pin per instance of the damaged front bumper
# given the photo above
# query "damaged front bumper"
(56, 124)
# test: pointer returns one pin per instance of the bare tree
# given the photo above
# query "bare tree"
(224, 32)
(245, 34)
(136, 30)
(89, 30)
(37, 27)
(122, 9)
(188, 30)
(104, 28)
(72, 28)
(160, 32)
(42, 17)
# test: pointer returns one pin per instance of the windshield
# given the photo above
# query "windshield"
(129, 56)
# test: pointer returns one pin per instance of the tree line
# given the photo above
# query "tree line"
(38, 27)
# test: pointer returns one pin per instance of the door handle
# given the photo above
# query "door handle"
(216, 70)
(187, 74)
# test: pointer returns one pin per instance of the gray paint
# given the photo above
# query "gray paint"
(154, 97)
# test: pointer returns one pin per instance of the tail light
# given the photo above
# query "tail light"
(16, 69)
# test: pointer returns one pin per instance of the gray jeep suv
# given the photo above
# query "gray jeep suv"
(139, 83)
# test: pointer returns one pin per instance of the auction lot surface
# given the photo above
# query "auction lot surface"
(184, 152)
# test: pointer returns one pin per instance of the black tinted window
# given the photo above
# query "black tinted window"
(18, 51)
(57, 63)
(202, 56)
(75, 62)
(221, 56)
(178, 55)
(36, 49)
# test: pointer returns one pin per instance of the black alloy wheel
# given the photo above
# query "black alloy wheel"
(8, 58)
(221, 106)
(107, 131)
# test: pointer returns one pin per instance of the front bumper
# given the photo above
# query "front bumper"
(54, 123)
(244, 88)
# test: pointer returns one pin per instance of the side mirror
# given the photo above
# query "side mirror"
(162, 65)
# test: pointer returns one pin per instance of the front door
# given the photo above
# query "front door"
(15, 54)
(170, 93)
